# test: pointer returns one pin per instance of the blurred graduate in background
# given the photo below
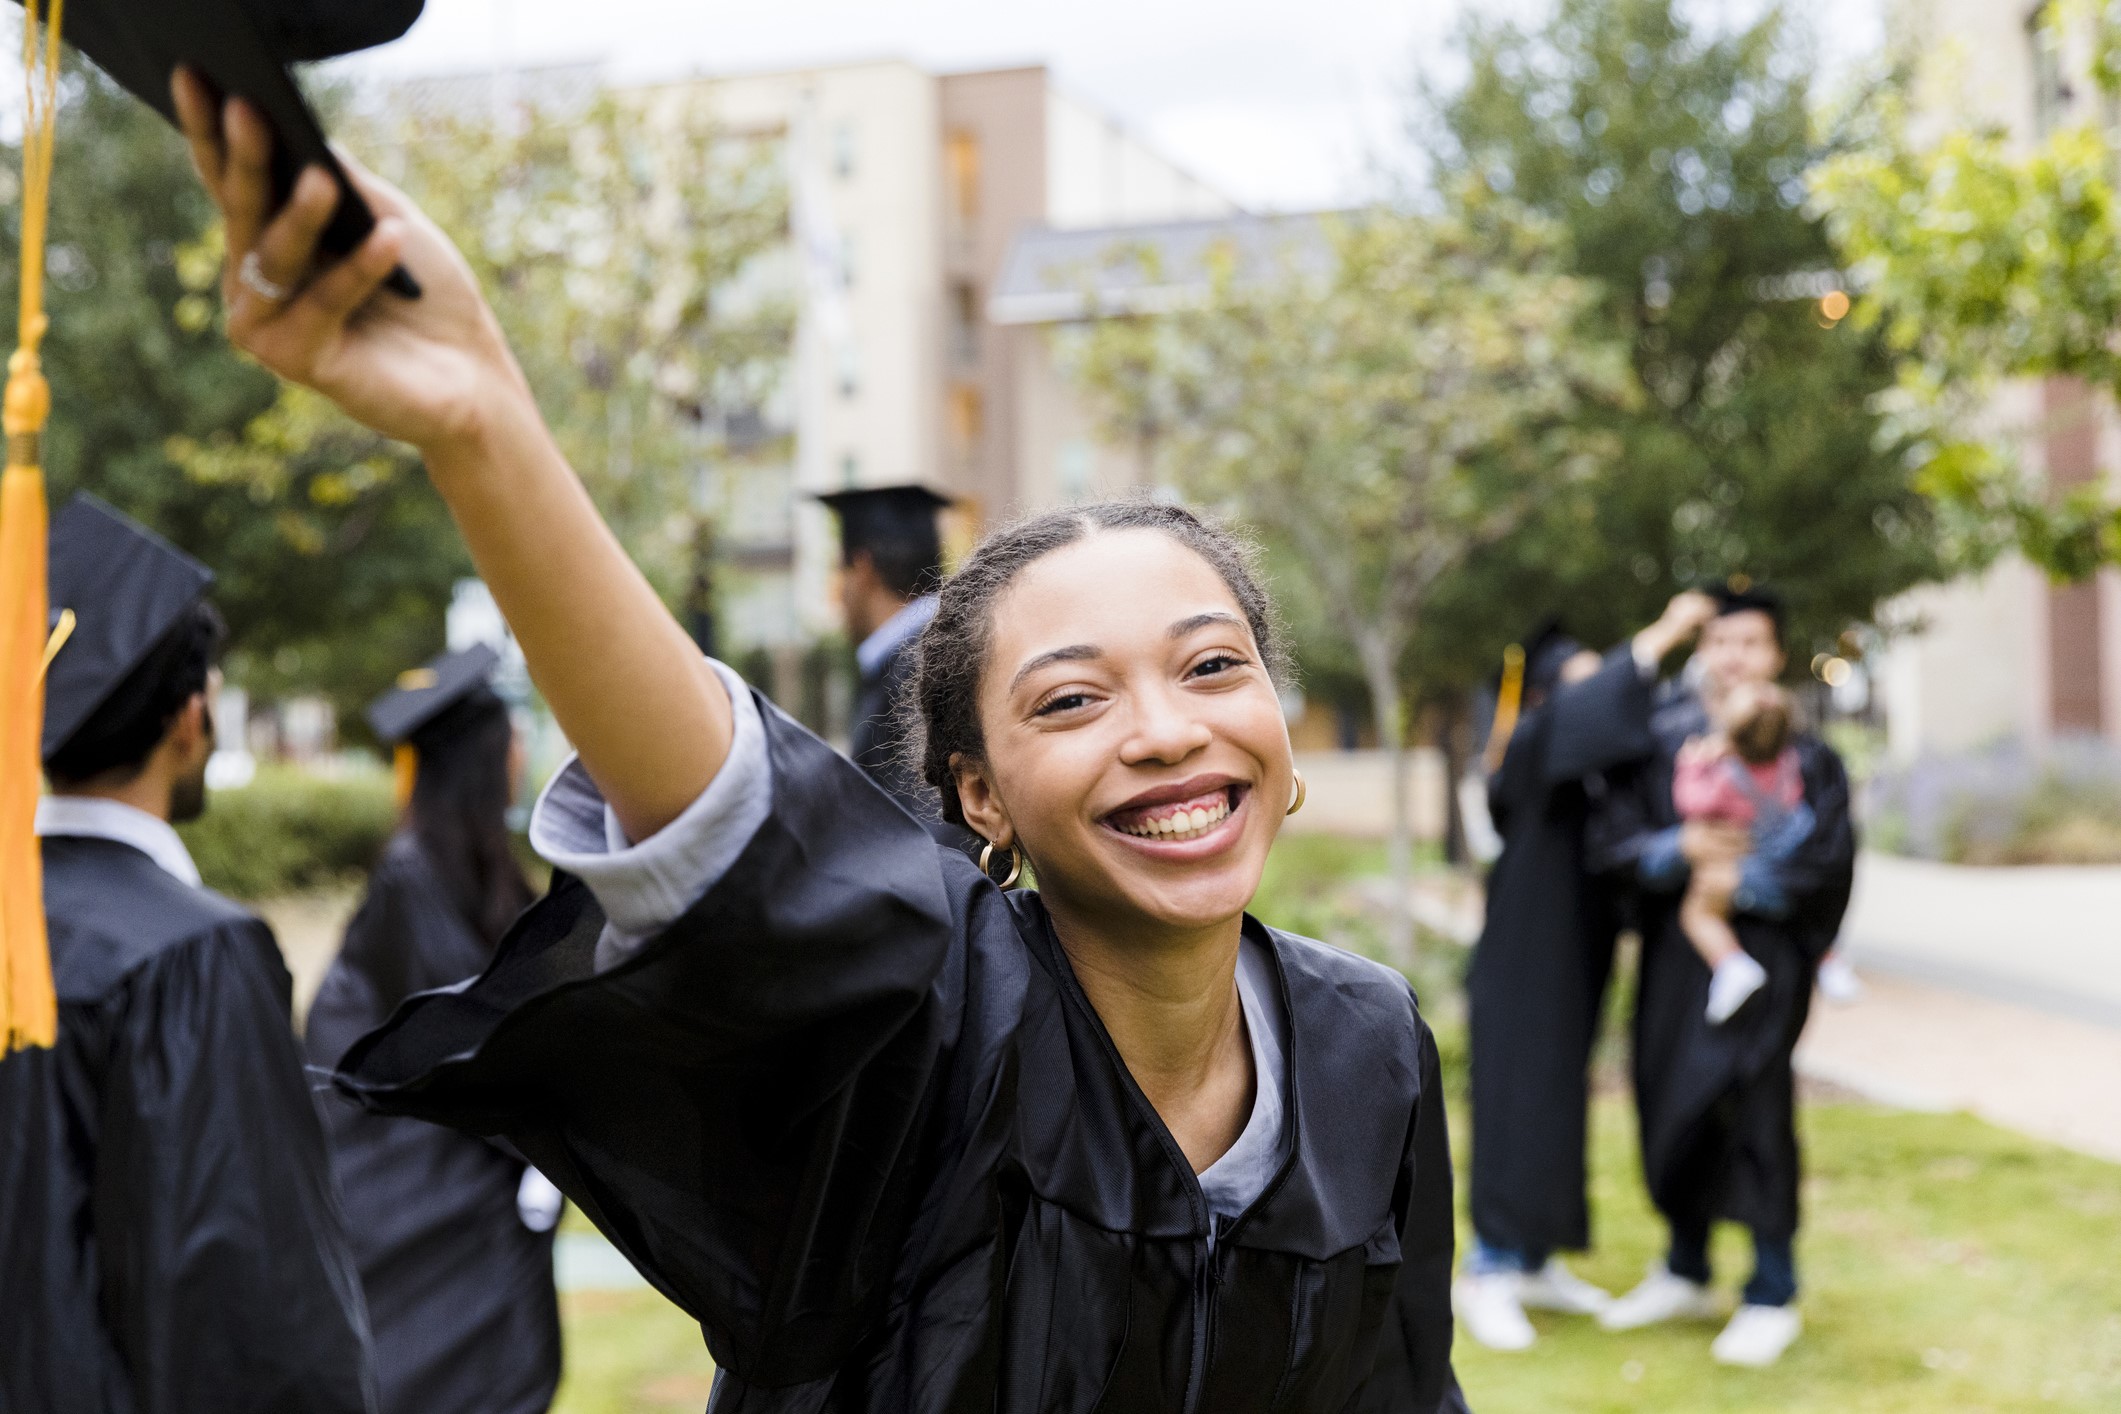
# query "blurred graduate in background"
(453, 1236)
(1536, 989)
(891, 561)
(168, 1235)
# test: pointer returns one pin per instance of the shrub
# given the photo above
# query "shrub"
(288, 831)
(2005, 805)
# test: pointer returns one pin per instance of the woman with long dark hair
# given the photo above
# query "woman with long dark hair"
(454, 1250)
(898, 1138)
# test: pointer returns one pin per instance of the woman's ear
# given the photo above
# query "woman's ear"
(983, 809)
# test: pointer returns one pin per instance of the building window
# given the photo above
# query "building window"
(961, 163)
(850, 370)
(850, 469)
(964, 323)
(843, 153)
(2051, 90)
(967, 415)
(1076, 467)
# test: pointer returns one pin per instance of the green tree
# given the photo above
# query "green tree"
(1673, 155)
(625, 241)
(331, 580)
(1985, 258)
(1383, 422)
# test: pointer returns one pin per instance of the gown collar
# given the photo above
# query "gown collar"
(100, 818)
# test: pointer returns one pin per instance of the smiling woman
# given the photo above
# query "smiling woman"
(896, 1138)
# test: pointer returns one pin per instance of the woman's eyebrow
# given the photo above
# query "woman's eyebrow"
(1073, 653)
(1201, 621)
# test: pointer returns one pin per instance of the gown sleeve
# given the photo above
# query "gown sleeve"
(1814, 880)
(742, 1102)
(1601, 722)
(228, 1280)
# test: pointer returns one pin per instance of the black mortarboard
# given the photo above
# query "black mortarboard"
(1547, 649)
(425, 693)
(874, 517)
(243, 48)
(126, 588)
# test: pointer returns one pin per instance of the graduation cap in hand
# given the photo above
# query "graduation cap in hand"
(242, 49)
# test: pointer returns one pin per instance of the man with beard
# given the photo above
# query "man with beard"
(169, 1238)
(1717, 1102)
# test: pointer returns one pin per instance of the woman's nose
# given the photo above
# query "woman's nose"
(1164, 729)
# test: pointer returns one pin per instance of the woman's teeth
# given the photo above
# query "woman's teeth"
(1183, 824)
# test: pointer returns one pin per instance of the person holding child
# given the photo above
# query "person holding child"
(1716, 1098)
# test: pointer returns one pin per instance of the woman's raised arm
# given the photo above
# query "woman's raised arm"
(649, 717)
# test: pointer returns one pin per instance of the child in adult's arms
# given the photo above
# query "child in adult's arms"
(1744, 774)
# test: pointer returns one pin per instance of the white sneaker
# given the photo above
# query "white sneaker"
(1735, 979)
(1838, 981)
(1661, 1297)
(1488, 1308)
(1757, 1335)
(1555, 1288)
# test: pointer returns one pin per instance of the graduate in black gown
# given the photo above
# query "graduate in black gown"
(459, 1282)
(891, 560)
(1536, 988)
(901, 1139)
(169, 1239)
(1717, 1102)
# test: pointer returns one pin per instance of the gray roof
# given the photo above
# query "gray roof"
(1054, 276)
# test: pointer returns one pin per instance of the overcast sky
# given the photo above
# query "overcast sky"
(1282, 103)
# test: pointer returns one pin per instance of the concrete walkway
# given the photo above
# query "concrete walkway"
(2045, 938)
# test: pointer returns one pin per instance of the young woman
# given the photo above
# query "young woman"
(901, 1140)
(456, 1270)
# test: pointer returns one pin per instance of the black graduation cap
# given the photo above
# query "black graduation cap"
(872, 518)
(243, 48)
(1547, 649)
(126, 588)
(425, 693)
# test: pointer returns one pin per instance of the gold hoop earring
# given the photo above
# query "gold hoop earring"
(1016, 865)
(1297, 803)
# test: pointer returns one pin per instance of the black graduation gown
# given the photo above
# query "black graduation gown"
(169, 1240)
(1717, 1104)
(880, 700)
(855, 1115)
(460, 1294)
(1536, 987)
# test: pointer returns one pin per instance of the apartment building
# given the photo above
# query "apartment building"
(2007, 654)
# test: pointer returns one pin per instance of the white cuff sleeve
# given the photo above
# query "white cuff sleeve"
(644, 888)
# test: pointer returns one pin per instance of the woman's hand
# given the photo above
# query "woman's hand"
(631, 691)
(434, 371)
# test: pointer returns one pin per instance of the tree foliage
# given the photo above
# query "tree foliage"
(622, 242)
(330, 573)
(1673, 156)
(1985, 258)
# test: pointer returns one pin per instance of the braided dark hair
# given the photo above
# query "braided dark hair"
(953, 648)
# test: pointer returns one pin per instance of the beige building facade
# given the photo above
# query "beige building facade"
(2007, 655)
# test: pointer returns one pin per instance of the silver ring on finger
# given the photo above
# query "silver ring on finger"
(253, 277)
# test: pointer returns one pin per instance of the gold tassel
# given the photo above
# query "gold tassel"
(29, 1012)
(404, 774)
(1509, 701)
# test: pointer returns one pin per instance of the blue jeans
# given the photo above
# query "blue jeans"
(1484, 1261)
(1774, 1280)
